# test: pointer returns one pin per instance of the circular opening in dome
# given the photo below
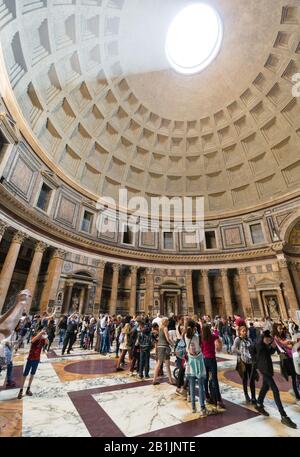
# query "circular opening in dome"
(194, 38)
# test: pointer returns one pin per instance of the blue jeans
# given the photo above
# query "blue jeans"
(212, 380)
(144, 363)
(201, 394)
(228, 341)
(62, 333)
(105, 343)
(9, 372)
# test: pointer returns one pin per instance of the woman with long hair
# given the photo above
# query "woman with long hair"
(125, 344)
(209, 352)
(164, 345)
(195, 369)
(245, 363)
(285, 346)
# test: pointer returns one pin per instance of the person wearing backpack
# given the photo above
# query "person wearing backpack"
(145, 343)
(195, 369)
(245, 363)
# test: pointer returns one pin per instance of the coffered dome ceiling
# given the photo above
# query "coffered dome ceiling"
(95, 88)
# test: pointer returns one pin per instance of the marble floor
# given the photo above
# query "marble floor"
(81, 395)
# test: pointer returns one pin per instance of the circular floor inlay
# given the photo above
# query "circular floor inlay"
(194, 38)
(92, 367)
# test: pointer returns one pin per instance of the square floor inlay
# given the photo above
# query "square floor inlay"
(145, 408)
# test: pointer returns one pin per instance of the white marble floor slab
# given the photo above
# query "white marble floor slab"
(144, 409)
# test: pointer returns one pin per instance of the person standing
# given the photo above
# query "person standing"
(62, 326)
(245, 364)
(37, 344)
(172, 328)
(264, 349)
(50, 332)
(146, 343)
(209, 352)
(163, 351)
(195, 369)
(70, 336)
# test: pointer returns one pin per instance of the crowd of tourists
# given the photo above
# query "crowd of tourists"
(188, 344)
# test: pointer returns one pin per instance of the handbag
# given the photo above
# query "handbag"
(284, 363)
(240, 367)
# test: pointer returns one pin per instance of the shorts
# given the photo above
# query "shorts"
(31, 365)
(163, 353)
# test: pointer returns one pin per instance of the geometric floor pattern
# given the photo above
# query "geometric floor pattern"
(82, 395)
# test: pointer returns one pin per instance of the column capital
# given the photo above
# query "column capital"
(3, 228)
(70, 283)
(40, 246)
(19, 237)
(101, 264)
(224, 272)
(116, 267)
(242, 270)
(283, 262)
(149, 271)
(204, 273)
(59, 254)
(133, 269)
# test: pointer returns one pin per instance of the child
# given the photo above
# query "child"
(146, 343)
(37, 344)
(8, 355)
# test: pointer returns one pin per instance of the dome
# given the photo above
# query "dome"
(94, 94)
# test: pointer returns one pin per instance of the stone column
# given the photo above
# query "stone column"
(296, 278)
(189, 292)
(81, 301)
(52, 281)
(282, 305)
(35, 266)
(99, 286)
(3, 228)
(226, 292)
(9, 265)
(289, 290)
(132, 300)
(149, 300)
(67, 297)
(207, 296)
(87, 299)
(114, 289)
(245, 295)
(261, 304)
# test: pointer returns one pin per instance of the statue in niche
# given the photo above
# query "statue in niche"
(273, 307)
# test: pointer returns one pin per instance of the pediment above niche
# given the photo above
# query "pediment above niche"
(266, 283)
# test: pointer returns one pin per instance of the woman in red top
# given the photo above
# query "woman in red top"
(209, 352)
